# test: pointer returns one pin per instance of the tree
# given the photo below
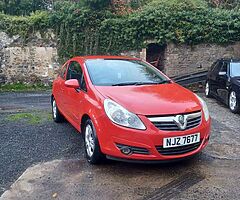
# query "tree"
(97, 4)
(21, 7)
(229, 4)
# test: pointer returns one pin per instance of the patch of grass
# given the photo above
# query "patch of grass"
(31, 118)
(15, 87)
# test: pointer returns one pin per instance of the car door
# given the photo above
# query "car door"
(74, 97)
(222, 81)
(59, 92)
(213, 75)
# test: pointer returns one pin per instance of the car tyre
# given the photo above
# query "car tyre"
(56, 115)
(207, 90)
(91, 144)
(233, 102)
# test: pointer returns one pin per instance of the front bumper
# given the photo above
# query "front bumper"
(111, 135)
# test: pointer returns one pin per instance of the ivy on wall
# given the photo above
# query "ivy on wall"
(24, 26)
(82, 31)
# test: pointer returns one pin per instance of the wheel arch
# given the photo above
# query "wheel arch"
(84, 118)
(52, 97)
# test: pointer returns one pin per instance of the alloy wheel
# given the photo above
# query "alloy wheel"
(233, 100)
(89, 140)
(54, 109)
(207, 89)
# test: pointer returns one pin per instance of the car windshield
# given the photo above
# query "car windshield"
(113, 72)
(235, 69)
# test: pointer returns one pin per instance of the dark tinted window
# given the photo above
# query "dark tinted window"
(74, 71)
(213, 66)
(112, 72)
(217, 67)
(224, 67)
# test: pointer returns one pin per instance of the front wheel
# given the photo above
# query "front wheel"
(233, 102)
(56, 115)
(91, 144)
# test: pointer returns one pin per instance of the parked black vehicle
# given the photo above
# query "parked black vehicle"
(223, 82)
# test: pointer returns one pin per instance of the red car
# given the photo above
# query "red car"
(128, 110)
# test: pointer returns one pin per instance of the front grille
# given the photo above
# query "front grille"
(178, 150)
(170, 123)
(134, 150)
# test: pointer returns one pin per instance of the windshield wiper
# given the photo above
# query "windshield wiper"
(124, 83)
(141, 83)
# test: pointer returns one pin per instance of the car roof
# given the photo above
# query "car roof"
(229, 59)
(105, 57)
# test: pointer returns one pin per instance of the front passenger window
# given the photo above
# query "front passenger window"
(74, 71)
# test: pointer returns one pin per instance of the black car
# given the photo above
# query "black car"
(223, 82)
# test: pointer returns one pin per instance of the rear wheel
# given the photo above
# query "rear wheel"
(91, 144)
(233, 102)
(56, 115)
(207, 90)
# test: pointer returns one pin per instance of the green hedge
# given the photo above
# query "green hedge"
(83, 31)
(24, 26)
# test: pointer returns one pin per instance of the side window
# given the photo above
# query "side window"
(217, 67)
(74, 71)
(224, 67)
(213, 66)
(63, 71)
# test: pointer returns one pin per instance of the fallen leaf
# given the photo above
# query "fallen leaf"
(54, 195)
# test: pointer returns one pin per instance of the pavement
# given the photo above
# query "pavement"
(45, 160)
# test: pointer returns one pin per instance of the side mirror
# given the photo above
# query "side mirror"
(72, 83)
(222, 73)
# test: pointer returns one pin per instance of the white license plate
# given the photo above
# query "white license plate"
(181, 140)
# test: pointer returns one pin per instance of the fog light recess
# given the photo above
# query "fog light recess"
(126, 150)
(129, 150)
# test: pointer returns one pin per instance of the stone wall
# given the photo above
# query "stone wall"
(36, 60)
(31, 61)
(184, 59)
(135, 53)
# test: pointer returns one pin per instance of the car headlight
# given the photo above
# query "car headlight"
(122, 116)
(204, 107)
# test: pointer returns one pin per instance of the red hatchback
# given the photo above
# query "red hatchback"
(128, 110)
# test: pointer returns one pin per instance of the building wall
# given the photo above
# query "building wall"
(184, 59)
(36, 60)
(31, 61)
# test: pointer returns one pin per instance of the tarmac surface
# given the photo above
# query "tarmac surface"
(45, 160)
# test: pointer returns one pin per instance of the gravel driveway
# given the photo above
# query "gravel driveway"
(29, 140)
